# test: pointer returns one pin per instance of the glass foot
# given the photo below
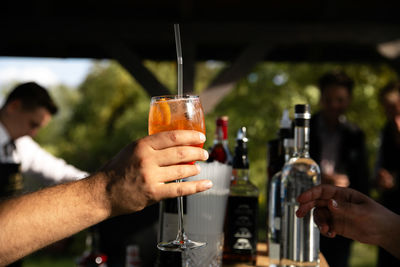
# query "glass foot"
(177, 245)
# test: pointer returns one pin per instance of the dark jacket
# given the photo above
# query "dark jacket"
(352, 161)
(352, 154)
(389, 159)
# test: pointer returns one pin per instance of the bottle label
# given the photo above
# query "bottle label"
(241, 236)
(277, 223)
(274, 251)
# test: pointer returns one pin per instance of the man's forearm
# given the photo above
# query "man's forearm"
(129, 182)
(35, 220)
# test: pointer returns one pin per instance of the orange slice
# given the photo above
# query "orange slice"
(162, 112)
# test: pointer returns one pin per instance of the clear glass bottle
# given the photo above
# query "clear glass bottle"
(300, 236)
(220, 150)
(276, 153)
(279, 152)
(274, 215)
(240, 244)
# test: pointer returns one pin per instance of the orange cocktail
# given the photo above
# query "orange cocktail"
(176, 113)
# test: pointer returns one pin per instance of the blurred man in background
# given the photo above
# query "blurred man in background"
(388, 160)
(338, 146)
(28, 108)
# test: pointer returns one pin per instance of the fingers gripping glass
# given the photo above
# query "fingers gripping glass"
(177, 113)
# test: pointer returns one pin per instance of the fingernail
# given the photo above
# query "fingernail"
(205, 153)
(208, 184)
(329, 234)
(334, 204)
(198, 167)
(202, 137)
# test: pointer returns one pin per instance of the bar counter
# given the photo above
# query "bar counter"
(263, 260)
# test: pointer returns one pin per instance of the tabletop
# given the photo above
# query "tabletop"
(263, 259)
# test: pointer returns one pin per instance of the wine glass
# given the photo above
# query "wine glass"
(177, 113)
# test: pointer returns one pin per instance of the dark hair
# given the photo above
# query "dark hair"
(390, 87)
(336, 78)
(32, 96)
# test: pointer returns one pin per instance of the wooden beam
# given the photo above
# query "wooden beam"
(135, 67)
(84, 37)
(227, 79)
(142, 33)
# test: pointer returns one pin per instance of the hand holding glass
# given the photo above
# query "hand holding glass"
(177, 113)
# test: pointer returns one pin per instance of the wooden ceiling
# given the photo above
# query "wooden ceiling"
(293, 30)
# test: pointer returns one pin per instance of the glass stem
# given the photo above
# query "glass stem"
(181, 234)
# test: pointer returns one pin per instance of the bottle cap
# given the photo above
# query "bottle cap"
(241, 134)
(302, 111)
(222, 121)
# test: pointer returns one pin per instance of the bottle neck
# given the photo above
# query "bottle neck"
(288, 145)
(223, 142)
(241, 160)
(301, 141)
(221, 134)
(240, 175)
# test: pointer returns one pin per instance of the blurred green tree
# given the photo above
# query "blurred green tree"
(107, 111)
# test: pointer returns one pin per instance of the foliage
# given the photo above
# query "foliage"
(363, 255)
(108, 111)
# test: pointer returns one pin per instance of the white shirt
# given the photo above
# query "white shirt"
(36, 163)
